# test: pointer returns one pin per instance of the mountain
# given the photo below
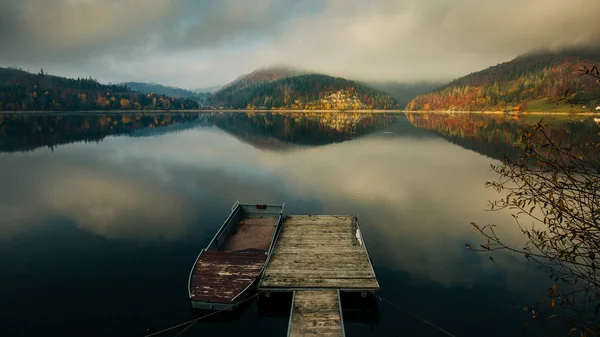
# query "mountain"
(24, 91)
(282, 88)
(533, 82)
(262, 76)
(405, 92)
(202, 98)
(159, 89)
(210, 89)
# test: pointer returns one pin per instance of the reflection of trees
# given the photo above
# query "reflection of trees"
(19, 132)
(301, 128)
(495, 135)
(552, 191)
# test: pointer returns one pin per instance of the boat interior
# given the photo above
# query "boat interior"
(248, 229)
(236, 255)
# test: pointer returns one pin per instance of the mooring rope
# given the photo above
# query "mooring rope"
(193, 321)
(415, 316)
(190, 323)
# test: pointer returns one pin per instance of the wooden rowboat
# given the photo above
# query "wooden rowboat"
(227, 271)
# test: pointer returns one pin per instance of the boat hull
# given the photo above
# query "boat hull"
(227, 271)
(216, 306)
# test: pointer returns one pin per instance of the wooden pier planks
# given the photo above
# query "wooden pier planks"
(319, 251)
(316, 313)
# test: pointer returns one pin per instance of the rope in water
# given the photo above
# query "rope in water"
(193, 321)
(415, 316)
(190, 323)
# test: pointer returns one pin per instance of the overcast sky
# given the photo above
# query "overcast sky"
(201, 43)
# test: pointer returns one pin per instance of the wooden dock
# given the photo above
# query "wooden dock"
(316, 313)
(319, 252)
(316, 257)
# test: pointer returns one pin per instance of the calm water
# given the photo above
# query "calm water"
(101, 217)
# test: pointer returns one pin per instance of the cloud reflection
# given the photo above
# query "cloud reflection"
(414, 197)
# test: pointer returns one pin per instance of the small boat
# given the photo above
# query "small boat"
(227, 271)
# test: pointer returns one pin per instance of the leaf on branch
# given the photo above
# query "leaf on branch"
(492, 259)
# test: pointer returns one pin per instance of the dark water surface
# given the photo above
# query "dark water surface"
(102, 216)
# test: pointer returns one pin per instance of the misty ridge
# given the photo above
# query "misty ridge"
(392, 51)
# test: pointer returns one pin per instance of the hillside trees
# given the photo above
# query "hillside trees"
(513, 84)
(21, 91)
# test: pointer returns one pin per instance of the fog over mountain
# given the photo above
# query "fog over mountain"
(202, 43)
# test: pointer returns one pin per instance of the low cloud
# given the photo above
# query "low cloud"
(197, 43)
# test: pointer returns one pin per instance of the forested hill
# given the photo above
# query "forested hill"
(311, 91)
(533, 82)
(405, 92)
(24, 91)
(202, 98)
(159, 89)
(259, 77)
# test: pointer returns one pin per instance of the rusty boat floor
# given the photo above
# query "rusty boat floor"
(221, 276)
(252, 233)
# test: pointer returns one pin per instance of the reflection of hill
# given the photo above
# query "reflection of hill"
(280, 131)
(201, 120)
(19, 132)
(495, 135)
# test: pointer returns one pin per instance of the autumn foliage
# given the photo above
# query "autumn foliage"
(514, 85)
(23, 91)
(304, 92)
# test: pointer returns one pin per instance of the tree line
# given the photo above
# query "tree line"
(515, 85)
(23, 91)
(304, 92)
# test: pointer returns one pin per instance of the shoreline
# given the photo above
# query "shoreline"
(523, 113)
(374, 111)
(195, 111)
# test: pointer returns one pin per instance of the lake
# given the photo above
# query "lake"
(102, 216)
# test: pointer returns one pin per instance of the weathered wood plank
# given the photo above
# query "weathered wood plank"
(355, 256)
(296, 282)
(319, 251)
(325, 266)
(321, 239)
(311, 273)
(316, 313)
(329, 220)
(308, 228)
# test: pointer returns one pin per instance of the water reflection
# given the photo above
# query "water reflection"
(160, 192)
(494, 135)
(25, 132)
(422, 193)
